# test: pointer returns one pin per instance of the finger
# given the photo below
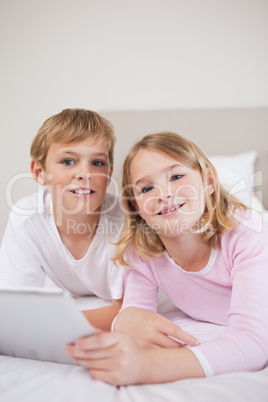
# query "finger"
(100, 375)
(164, 341)
(103, 364)
(180, 335)
(101, 340)
(108, 376)
(161, 341)
(169, 328)
(97, 330)
(77, 353)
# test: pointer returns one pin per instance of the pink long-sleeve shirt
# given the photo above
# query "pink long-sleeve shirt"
(232, 290)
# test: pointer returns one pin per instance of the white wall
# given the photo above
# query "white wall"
(122, 54)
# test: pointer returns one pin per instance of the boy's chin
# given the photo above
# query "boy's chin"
(78, 211)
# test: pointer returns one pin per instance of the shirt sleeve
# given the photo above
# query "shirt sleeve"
(140, 286)
(243, 346)
(19, 265)
(116, 281)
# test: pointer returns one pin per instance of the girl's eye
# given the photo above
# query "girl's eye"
(176, 177)
(97, 163)
(146, 189)
(67, 162)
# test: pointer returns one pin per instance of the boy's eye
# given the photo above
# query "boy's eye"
(67, 162)
(97, 163)
(146, 189)
(176, 177)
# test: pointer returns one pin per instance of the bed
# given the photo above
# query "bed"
(236, 141)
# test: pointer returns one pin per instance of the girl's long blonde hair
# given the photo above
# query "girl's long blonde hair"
(219, 206)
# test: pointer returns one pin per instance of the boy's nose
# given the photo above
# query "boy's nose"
(84, 175)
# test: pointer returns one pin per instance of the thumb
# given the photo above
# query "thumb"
(97, 330)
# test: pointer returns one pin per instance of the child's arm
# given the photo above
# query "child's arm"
(138, 317)
(149, 329)
(103, 317)
(113, 357)
(244, 343)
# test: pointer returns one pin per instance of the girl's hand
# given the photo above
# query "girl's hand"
(111, 357)
(149, 329)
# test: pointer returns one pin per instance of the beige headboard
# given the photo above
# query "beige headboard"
(215, 131)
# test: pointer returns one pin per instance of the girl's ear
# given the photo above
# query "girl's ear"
(38, 172)
(135, 205)
(211, 179)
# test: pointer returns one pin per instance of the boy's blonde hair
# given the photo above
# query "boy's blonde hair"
(219, 206)
(72, 125)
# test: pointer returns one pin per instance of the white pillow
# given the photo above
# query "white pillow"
(237, 175)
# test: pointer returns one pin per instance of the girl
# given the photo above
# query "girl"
(186, 235)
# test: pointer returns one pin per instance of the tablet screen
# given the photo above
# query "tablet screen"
(37, 323)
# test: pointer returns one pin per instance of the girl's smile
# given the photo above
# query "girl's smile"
(170, 210)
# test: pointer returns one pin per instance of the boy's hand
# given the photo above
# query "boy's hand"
(149, 329)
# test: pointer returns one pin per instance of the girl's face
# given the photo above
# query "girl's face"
(169, 196)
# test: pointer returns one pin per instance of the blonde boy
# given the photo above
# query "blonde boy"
(64, 234)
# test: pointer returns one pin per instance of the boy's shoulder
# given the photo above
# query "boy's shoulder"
(31, 206)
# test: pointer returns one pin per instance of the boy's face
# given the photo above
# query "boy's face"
(77, 176)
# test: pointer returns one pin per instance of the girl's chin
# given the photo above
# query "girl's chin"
(173, 230)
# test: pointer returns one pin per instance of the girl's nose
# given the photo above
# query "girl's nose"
(165, 195)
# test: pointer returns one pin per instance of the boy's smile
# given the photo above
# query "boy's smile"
(77, 176)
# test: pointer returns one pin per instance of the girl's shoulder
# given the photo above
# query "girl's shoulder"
(249, 220)
(138, 262)
(249, 230)
(132, 257)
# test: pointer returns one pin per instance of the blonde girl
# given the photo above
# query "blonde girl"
(184, 234)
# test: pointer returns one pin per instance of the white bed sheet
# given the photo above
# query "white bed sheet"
(26, 380)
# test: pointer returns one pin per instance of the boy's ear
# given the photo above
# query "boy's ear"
(211, 180)
(110, 173)
(38, 172)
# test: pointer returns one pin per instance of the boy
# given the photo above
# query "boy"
(64, 233)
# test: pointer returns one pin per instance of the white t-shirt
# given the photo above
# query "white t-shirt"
(32, 253)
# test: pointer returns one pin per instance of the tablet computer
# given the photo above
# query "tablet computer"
(37, 323)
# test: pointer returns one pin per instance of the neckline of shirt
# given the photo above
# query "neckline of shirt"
(95, 240)
(205, 270)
